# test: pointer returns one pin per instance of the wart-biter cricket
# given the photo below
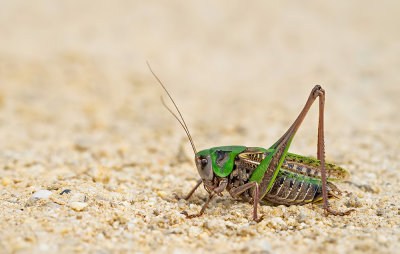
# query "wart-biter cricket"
(257, 174)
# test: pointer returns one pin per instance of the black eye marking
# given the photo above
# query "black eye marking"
(221, 157)
(204, 162)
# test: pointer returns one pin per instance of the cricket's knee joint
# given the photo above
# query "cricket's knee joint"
(318, 91)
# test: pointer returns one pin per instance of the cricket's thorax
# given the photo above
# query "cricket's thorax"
(298, 180)
(245, 164)
(222, 158)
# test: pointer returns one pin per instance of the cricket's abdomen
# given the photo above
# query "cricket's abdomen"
(298, 181)
(294, 189)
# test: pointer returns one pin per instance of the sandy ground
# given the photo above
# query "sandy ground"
(80, 111)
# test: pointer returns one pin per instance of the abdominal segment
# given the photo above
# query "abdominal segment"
(294, 189)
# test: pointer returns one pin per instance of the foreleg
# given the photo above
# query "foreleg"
(221, 187)
(194, 189)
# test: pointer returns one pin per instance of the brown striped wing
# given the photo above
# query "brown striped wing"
(301, 165)
(312, 167)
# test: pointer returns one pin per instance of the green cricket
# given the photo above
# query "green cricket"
(272, 175)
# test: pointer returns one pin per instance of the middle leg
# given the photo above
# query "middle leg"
(239, 190)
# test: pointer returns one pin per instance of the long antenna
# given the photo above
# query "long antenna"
(176, 117)
(182, 123)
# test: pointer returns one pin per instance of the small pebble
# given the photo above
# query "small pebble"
(354, 201)
(78, 206)
(162, 194)
(380, 212)
(82, 144)
(302, 217)
(40, 194)
(210, 224)
(277, 223)
(66, 191)
(266, 247)
(78, 197)
(6, 181)
(53, 205)
(381, 239)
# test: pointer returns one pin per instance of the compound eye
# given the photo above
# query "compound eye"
(204, 167)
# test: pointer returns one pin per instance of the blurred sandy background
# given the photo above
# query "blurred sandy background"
(79, 110)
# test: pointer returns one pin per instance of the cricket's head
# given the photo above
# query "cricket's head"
(218, 160)
(204, 164)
